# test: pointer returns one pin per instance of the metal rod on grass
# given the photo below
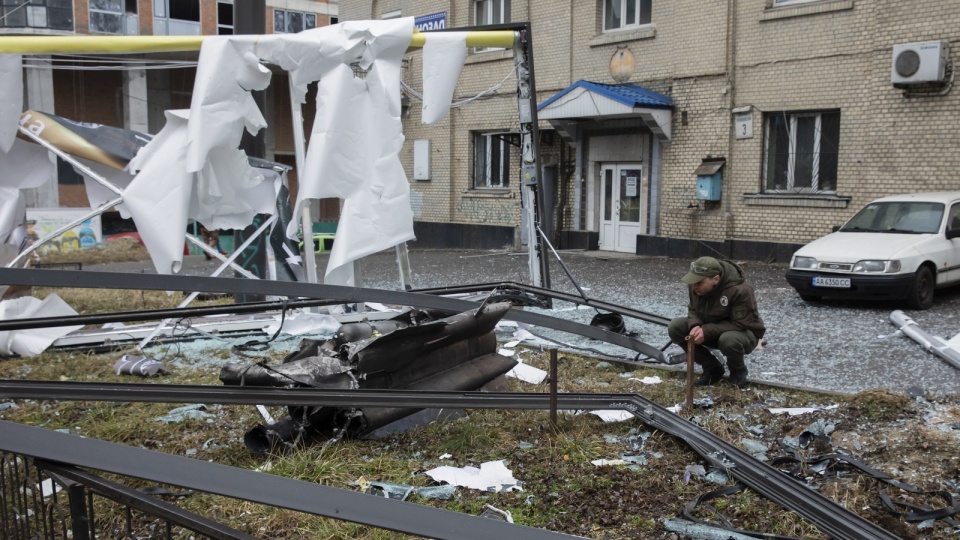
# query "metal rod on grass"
(691, 351)
(553, 390)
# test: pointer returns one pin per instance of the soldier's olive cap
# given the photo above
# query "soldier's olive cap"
(704, 267)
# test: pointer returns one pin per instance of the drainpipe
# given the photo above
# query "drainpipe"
(731, 75)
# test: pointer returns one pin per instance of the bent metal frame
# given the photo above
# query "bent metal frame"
(517, 36)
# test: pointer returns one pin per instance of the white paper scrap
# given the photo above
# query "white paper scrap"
(612, 415)
(505, 352)
(491, 476)
(794, 411)
(512, 344)
(602, 462)
(523, 334)
(48, 488)
(647, 380)
(528, 374)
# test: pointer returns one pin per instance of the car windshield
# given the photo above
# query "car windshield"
(897, 217)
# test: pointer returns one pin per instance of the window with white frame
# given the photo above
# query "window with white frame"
(624, 14)
(225, 17)
(491, 159)
(801, 151)
(51, 14)
(287, 21)
(491, 12)
(788, 2)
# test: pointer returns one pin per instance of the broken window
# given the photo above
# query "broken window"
(286, 21)
(106, 16)
(52, 14)
(491, 159)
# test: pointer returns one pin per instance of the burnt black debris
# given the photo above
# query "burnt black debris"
(418, 350)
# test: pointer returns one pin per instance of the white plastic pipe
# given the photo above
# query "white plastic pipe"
(931, 344)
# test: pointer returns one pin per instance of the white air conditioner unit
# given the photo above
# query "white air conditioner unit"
(917, 63)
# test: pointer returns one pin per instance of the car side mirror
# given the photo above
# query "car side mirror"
(953, 233)
(835, 228)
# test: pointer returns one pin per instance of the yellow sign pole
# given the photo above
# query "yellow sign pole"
(152, 44)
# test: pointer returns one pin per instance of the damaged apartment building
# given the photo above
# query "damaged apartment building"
(749, 126)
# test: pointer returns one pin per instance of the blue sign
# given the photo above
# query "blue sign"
(434, 21)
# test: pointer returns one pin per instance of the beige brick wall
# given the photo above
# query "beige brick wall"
(841, 59)
(832, 54)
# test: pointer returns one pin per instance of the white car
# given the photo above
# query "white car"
(895, 248)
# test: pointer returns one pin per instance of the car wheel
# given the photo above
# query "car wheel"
(921, 293)
(810, 298)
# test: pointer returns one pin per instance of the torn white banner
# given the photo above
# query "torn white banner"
(13, 214)
(11, 98)
(226, 194)
(158, 197)
(443, 57)
(35, 340)
(354, 151)
(491, 476)
(222, 105)
(26, 165)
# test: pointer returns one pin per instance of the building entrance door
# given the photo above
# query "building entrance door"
(622, 206)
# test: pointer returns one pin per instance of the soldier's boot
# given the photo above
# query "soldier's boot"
(738, 370)
(712, 368)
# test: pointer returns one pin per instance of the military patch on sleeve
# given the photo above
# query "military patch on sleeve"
(739, 312)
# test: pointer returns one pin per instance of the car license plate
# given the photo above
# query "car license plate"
(834, 282)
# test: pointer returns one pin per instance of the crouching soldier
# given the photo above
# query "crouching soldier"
(722, 314)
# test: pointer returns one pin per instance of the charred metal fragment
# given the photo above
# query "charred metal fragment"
(519, 298)
(453, 353)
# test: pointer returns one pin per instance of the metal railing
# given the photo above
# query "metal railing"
(40, 500)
